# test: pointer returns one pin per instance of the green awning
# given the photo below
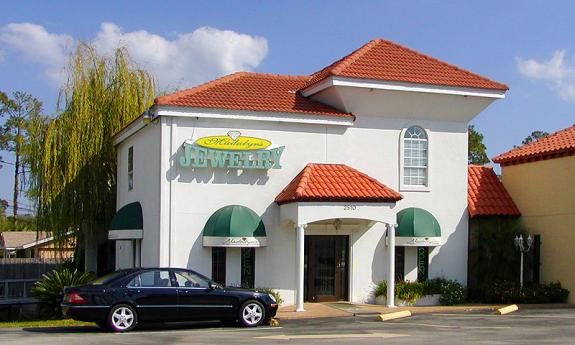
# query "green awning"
(127, 223)
(234, 226)
(417, 227)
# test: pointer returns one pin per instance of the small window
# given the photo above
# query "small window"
(422, 263)
(189, 279)
(248, 267)
(415, 157)
(219, 265)
(151, 279)
(399, 263)
(131, 168)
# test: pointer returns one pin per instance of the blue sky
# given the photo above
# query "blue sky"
(529, 45)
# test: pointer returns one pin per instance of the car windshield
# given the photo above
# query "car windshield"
(107, 278)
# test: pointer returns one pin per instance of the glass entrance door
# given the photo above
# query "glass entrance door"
(326, 268)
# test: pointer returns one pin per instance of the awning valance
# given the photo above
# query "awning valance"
(417, 227)
(128, 223)
(234, 226)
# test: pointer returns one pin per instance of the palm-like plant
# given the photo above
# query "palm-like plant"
(50, 289)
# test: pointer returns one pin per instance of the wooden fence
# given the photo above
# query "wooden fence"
(26, 268)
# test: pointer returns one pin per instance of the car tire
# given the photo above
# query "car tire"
(251, 314)
(122, 318)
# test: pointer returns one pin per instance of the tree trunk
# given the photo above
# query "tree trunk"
(16, 175)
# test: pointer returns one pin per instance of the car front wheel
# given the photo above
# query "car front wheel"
(122, 318)
(252, 314)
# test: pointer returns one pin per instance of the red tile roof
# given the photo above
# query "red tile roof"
(335, 182)
(384, 60)
(558, 144)
(252, 91)
(486, 195)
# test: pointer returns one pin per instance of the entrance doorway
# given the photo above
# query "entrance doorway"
(326, 263)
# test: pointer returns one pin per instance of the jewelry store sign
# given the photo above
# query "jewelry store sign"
(232, 151)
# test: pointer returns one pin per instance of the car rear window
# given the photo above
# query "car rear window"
(107, 278)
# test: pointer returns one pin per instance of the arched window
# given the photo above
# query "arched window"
(415, 157)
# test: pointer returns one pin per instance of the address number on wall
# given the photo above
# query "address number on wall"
(349, 207)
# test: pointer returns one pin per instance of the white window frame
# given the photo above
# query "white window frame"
(130, 171)
(402, 185)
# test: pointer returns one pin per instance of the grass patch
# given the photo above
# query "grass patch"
(45, 323)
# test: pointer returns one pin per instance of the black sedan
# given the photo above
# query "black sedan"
(122, 299)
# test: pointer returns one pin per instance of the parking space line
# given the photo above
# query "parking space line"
(451, 326)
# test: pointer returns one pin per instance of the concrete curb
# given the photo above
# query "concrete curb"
(507, 310)
(394, 315)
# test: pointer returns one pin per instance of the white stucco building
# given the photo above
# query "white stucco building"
(328, 162)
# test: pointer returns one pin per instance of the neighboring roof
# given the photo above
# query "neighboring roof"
(252, 92)
(18, 239)
(388, 61)
(558, 144)
(486, 195)
(335, 182)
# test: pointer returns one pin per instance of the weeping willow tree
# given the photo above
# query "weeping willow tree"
(73, 174)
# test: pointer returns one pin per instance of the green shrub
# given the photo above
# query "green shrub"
(272, 292)
(50, 289)
(452, 292)
(506, 291)
(407, 291)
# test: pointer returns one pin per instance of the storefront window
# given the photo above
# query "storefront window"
(415, 157)
(399, 263)
(422, 263)
(131, 168)
(248, 267)
(219, 265)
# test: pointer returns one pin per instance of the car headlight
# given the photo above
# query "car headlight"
(272, 297)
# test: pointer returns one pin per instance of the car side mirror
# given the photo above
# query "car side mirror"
(213, 286)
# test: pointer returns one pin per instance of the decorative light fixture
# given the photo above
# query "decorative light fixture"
(523, 246)
(337, 223)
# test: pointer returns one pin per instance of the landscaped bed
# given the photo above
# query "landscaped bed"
(45, 323)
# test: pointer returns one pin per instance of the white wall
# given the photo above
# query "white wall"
(189, 196)
(146, 189)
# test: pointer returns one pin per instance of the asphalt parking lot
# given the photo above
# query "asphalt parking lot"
(540, 326)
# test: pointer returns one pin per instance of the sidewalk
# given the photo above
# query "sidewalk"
(346, 309)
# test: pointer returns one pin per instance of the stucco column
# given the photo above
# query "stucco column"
(300, 236)
(391, 268)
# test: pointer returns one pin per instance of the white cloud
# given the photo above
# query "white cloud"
(190, 58)
(37, 45)
(558, 71)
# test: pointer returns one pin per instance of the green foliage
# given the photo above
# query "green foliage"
(452, 292)
(476, 150)
(535, 135)
(272, 292)
(73, 175)
(16, 135)
(505, 291)
(492, 252)
(50, 289)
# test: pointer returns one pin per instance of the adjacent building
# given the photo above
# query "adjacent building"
(32, 244)
(319, 186)
(540, 177)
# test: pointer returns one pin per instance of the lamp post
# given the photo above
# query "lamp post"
(523, 246)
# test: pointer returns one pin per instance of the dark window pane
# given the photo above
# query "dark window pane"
(422, 263)
(189, 279)
(219, 265)
(154, 279)
(399, 263)
(248, 267)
